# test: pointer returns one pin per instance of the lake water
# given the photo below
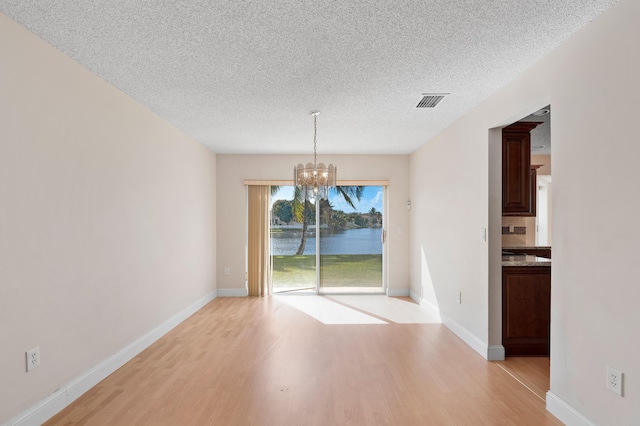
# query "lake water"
(350, 241)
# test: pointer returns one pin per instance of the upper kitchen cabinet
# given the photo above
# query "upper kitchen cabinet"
(518, 178)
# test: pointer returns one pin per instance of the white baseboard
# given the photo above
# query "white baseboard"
(233, 292)
(430, 308)
(489, 352)
(65, 395)
(468, 337)
(495, 353)
(564, 412)
(397, 292)
(415, 296)
(42, 411)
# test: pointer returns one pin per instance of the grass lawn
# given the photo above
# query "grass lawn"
(344, 270)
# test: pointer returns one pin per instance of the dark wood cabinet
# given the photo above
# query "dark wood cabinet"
(526, 310)
(518, 177)
(533, 175)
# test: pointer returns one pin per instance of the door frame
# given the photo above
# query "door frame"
(385, 247)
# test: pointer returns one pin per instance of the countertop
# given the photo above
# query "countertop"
(526, 247)
(525, 260)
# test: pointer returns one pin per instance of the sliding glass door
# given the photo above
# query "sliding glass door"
(328, 246)
(351, 240)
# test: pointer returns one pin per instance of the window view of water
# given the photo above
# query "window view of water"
(349, 241)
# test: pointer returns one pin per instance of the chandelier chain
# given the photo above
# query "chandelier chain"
(315, 143)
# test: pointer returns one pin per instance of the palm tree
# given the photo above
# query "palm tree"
(375, 216)
(326, 213)
(302, 207)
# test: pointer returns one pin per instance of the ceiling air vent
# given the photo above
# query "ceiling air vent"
(430, 100)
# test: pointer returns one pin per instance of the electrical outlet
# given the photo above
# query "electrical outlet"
(614, 380)
(459, 297)
(227, 270)
(33, 358)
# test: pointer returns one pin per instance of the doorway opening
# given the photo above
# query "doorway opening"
(525, 239)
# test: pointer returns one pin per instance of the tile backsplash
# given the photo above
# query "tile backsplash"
(518, 231)
(506, 230)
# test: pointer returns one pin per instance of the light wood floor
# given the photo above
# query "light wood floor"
(532, 372)
(262, 361)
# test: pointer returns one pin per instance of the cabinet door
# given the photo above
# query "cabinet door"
(518, 188)
(526, 310)
(533, 192)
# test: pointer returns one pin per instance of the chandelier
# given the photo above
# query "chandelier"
(315, 179)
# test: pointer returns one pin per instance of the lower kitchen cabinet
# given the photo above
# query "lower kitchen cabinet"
(526, 310)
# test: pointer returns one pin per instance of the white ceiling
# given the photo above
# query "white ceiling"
(241, 76)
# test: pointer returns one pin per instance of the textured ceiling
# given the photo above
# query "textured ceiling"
(242, 76)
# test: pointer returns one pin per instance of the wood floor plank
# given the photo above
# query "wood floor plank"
(532, 372)
(261, 361)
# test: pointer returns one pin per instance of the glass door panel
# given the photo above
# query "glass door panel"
(293, 242)
(351, 244)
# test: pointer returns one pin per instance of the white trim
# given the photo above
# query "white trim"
(564, 412)
(495, 353)
(65, 395)
(468, 337)
(233, 292)
(430, 308)
(489, 352)
(42, 411)
(413, 295)
(397, 292)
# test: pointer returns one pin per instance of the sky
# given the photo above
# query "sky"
(372, 197)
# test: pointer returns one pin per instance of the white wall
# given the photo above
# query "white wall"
(107, 219)
(544, 161)
(449, 195)
(591, 82)
(231, 199)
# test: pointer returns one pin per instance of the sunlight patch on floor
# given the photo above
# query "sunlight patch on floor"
(327, 311)
(390, 308)
(359, 309)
